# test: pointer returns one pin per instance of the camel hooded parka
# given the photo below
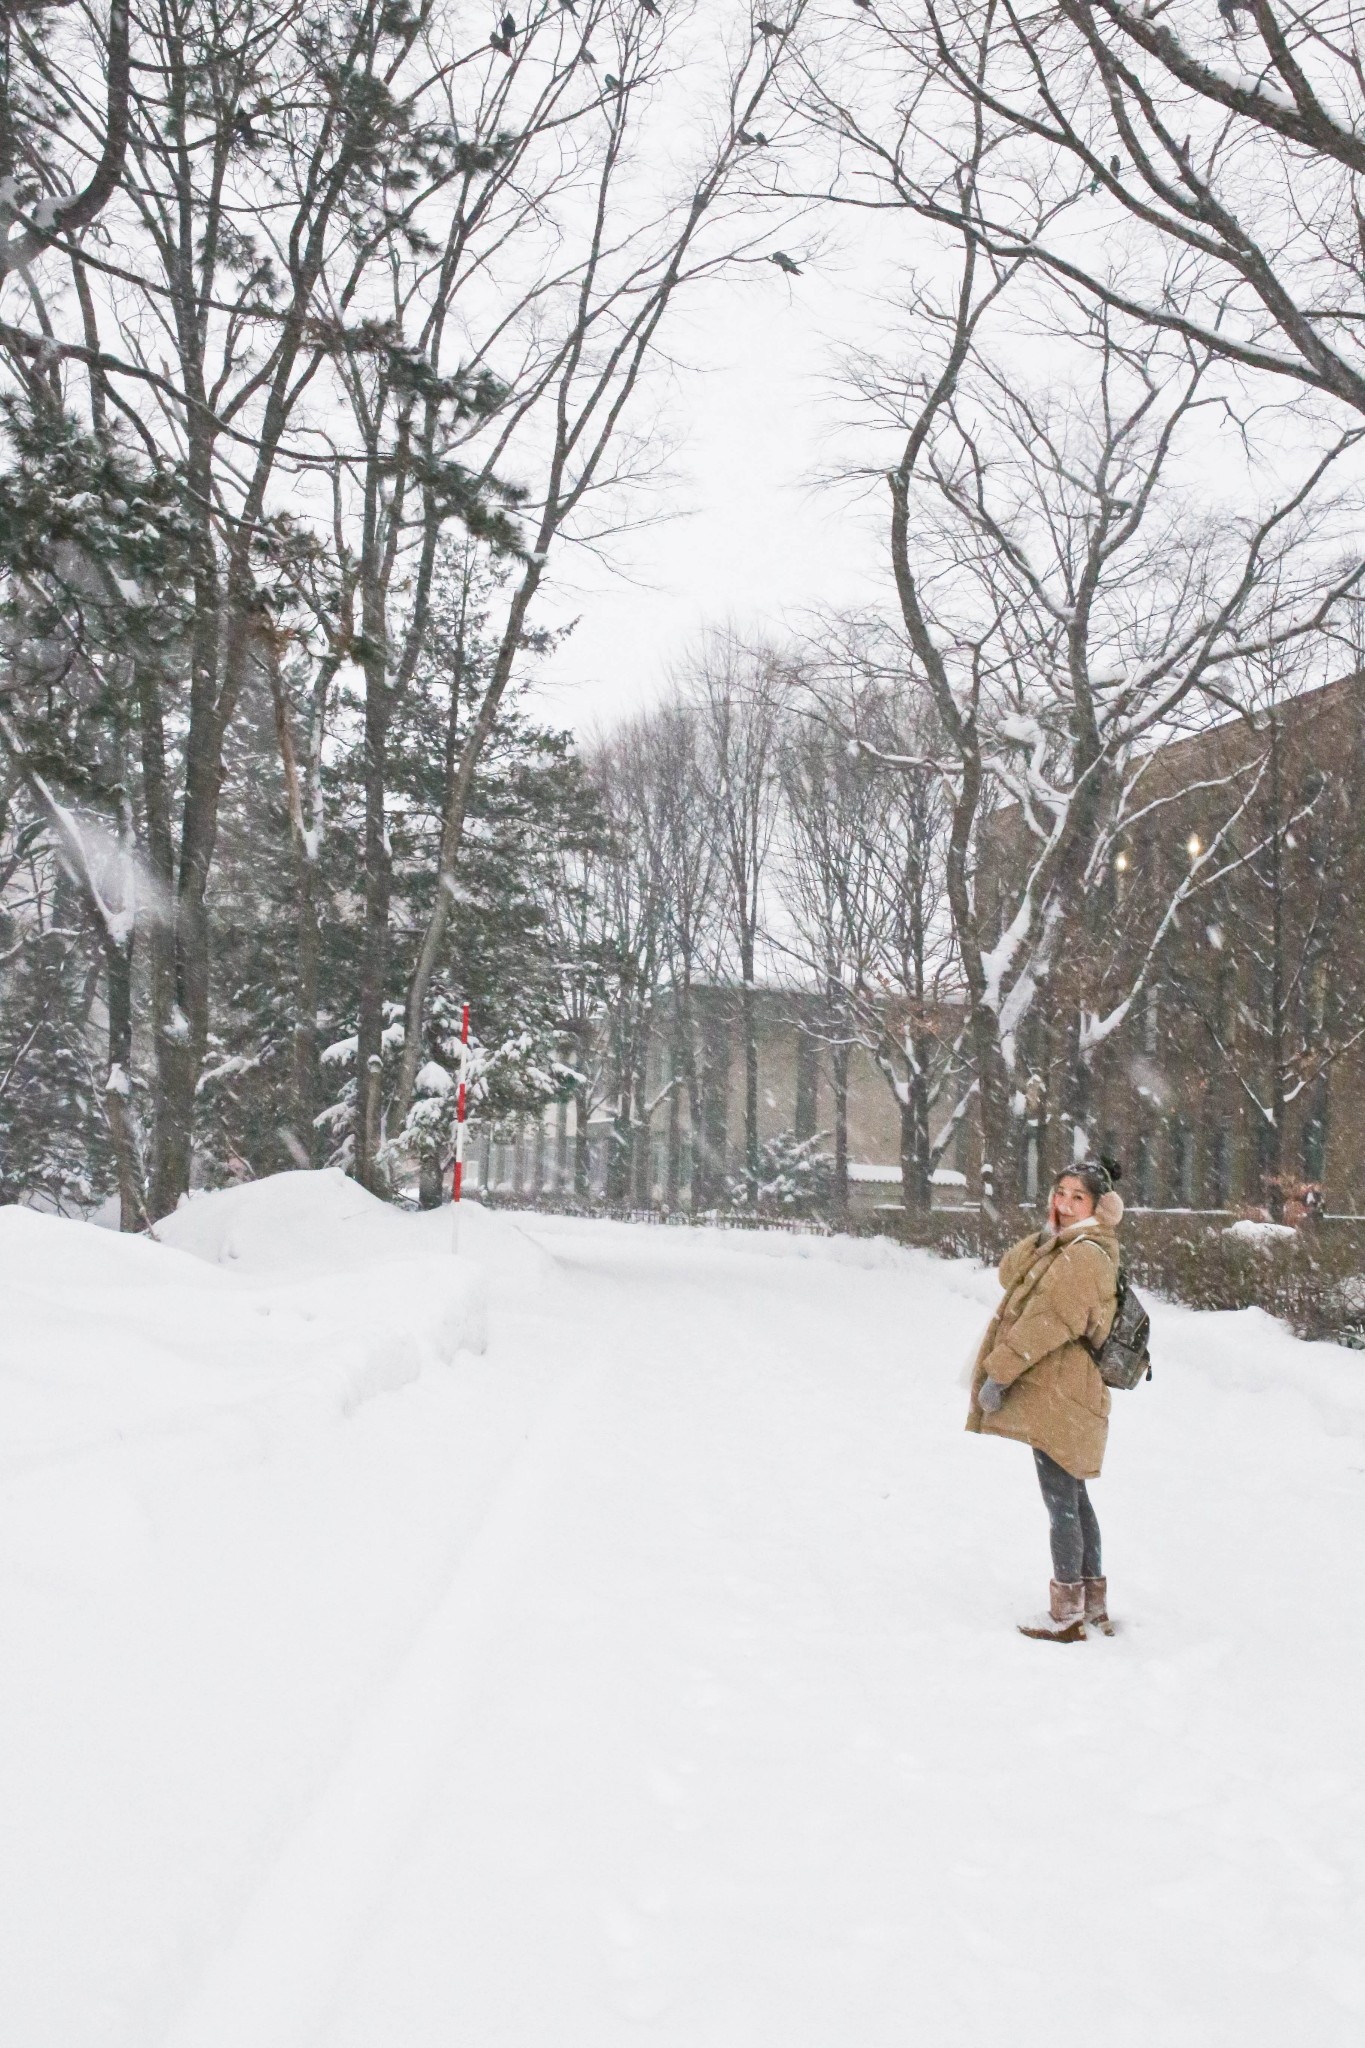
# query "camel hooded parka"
(1059, 1293)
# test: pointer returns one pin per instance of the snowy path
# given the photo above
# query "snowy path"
(666, 1693)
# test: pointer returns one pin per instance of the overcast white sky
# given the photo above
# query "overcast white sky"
(755, 539)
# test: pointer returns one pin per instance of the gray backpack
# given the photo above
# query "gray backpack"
(1123, 1358)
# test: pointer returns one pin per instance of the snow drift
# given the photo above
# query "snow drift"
(104, 1335)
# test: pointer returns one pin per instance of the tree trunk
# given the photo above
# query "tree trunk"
(161, 861)
(430, 1179)
(749, 1022)
(916, 1192)
(305, 1038)
(618, 1136)
(185, 1037)
(839, 1081)
(375, 941)
(582, 1163)
(1275, 1188)
(692, 1080)
(642, 1136)
(304, 849)
(118, 1096)
(673, 1175)
(452, 827)
(715, 1106)
(913, 1189)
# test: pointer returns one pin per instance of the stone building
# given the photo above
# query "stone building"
(1235, 1078)
(1225, 943)
(680, 1159)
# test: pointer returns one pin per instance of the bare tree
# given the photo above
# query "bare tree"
(910, 994)
(829, 870)
(1227, 141)
(37, 105)
(739, 693)
(634, 885)
(861, 879)
(602, 308)
(690, 850)
(1065, 605)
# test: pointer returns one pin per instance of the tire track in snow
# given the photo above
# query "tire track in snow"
(270, 1985)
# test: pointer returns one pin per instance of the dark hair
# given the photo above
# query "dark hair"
(1096, 1176)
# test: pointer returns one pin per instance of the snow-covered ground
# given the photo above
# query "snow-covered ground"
(605, 1641)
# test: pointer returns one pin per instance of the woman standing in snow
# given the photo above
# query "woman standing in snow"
(1036, 1379)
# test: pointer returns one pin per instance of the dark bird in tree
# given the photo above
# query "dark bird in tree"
(586, 55)
(568, 6)
(769, 28)
(758, 140)
(500, 44)
(649, 7)
(1230, 9)
(866, 5)
(611, 82)
(509, 26)
(241, 124)
(1116, 166)
(784, 262)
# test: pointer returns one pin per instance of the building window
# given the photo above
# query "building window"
(1219, 1166)
(1031, 1166)
(803, 1117)
(1315, 1134)
(1142, 1170)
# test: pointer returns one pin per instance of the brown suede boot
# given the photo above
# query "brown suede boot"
(1097, 1606)
(1065, 1620)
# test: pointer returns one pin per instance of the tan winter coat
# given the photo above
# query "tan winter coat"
(1058, 1290)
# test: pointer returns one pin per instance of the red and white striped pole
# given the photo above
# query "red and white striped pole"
(457, 1176)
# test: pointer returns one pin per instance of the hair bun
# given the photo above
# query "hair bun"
(1111, 1167)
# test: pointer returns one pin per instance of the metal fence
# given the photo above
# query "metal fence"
(701, 1219)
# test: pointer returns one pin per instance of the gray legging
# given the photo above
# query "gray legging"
(1075, 1532)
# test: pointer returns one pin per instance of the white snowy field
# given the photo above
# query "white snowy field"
(605, 1640)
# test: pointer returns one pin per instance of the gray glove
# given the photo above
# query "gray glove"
(991, 1396)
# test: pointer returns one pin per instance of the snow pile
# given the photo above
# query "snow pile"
(1250, 1230)
(104, 1335)
(292, 1222)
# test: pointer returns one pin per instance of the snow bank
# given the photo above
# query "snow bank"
(323, 1223)
(323, 1304)
(213, 1543)
(291, 1222)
